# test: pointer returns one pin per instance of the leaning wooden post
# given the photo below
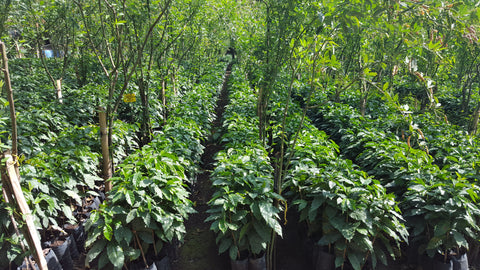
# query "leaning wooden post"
(12, 186)
(107, 164)
(8, 198)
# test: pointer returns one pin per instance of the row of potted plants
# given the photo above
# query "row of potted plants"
(243, 211)
(149, 201)
(438, 204)
(350, 216)
(58, 163)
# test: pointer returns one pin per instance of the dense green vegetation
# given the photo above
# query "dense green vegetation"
(361, 116)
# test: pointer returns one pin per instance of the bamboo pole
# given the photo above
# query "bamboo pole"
(8, 198)
(59, 91)
(8, 85)
(12, 186)
(107, 164)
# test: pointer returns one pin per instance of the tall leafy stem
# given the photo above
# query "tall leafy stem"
(127, 67)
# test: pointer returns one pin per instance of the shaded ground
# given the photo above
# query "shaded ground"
(199, 250)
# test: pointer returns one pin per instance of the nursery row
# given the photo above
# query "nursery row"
(439, 204)
(149, 201)
(349, 214)
(243, 209)
(60, 159)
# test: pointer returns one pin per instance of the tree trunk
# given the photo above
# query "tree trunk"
(145, 128)
(474, 124)
(164, 102)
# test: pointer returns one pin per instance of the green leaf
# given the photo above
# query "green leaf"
(224, 245)
(102, 260)
(121, 22)
(90, 180)
(316, 203)
(434, 243)
(359, 214)
(268, 212)
(244, 230)
(222, 225)
(460, 239)
(107, 232)
(96, 249)
(115, 255)
(233, 252)
(339, 261)
(329, 239)
(355, 259)
(385, 86)
(133, 254)
(73, 195)
(442, 228)
(131, 215)
(123, 234)
(146, 237)
(130, 197)
(67, 211)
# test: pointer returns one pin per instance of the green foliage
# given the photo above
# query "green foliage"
(243, 209)
(149, 201)
(439, 204)
(148, 204)
(395, 69)
(349, 209)
(442, 211)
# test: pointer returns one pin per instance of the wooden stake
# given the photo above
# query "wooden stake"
(59, 91)
(8, 198)
(8, 85)
(12, 186)
(107, 164)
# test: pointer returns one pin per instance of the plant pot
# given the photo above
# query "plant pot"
(50, 258)
(239, 264)
(257, 264)
(52, 261)
(72, 246)
(460, 262)
(62, 252)
(94, 204)
(164, 264)
(325, 261)
(152, 267)
(78, 232)
(440, 265)
(425, 262)
(474, 254)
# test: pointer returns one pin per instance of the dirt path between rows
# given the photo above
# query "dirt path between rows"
(199, 250)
